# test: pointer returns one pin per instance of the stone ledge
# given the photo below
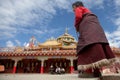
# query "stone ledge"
(110, 77)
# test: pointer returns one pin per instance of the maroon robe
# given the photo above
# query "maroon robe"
(93, 47)
(90, 32)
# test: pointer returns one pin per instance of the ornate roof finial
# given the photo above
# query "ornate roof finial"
(33, 42)
(66, 30)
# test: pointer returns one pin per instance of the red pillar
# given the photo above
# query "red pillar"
(14, 69)
(41, 69)
(71, 69)
(71, 66)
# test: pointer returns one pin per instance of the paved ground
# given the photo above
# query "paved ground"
(50, 77)
(41, 77)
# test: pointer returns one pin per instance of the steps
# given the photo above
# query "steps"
(111, 77)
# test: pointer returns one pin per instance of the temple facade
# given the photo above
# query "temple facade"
(39, 57)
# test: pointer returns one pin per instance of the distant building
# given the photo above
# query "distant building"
(38, 57)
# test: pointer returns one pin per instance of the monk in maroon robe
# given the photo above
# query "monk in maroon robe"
(93, 49)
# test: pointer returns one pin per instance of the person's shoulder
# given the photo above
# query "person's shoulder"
(79, 8)
(85, 9)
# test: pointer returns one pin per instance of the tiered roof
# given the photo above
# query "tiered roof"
(65, 45)
(40, 53)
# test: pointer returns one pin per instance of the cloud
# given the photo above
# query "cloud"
(26, 44)
(16, 16)
(21, 15)
(114, 37)
(117, 21)
(94, 4)
(117, 2)
(18, 42)
(9, 44)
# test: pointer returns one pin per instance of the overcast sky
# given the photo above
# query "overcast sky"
(43, 19)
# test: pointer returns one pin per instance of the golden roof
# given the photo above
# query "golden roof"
(115, 49)
(66, 35)
(18, 49)
(69, 47)
(69, 41)
(50, 43)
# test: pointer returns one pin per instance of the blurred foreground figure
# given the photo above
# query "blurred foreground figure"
(93, 49)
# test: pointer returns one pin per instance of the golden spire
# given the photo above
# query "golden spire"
(66, 30)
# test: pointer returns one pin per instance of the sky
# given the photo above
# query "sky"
(43, 19)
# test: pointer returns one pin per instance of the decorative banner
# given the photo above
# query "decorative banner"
(2, 68)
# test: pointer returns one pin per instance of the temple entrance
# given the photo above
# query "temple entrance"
(8, 64)
(58, 62)
(28, 66)
(75, 65)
